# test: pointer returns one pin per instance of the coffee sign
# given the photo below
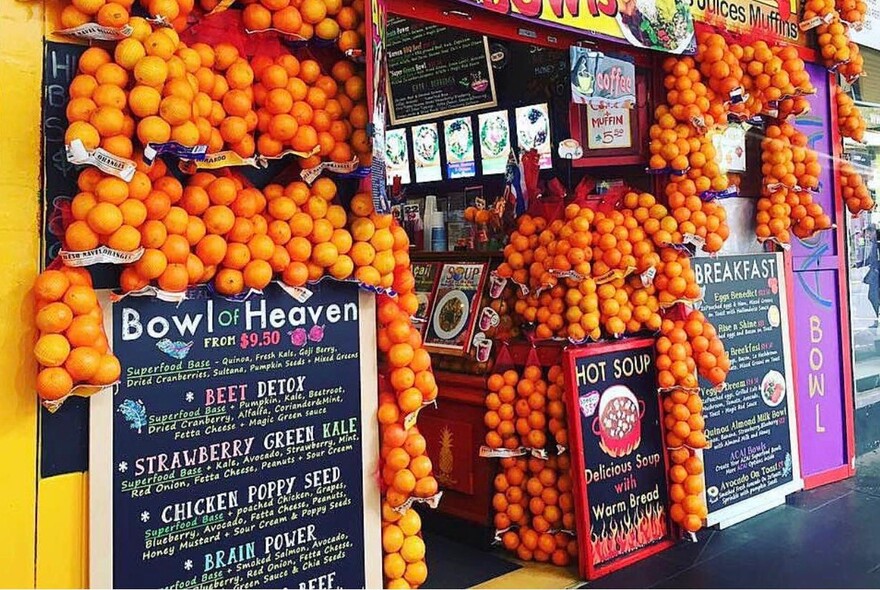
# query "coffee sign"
(619, 465)
(601, 81)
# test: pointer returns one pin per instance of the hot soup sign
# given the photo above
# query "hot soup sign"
(617, 453)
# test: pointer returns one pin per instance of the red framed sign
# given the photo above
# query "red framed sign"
(617, 453)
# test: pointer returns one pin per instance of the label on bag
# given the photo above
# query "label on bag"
(97, 32)
(101, 159)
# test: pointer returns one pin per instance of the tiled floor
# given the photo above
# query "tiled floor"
(824, 538)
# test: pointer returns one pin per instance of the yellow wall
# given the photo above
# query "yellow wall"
(21, 31)
(45, 547)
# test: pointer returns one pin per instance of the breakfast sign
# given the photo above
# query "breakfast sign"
(241, 446)
(753, 462)
(617, 453)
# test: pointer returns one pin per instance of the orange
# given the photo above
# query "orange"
(93, 57)
(325, 254)
(53, 383)
(257, 274)
(72, 17)
(153, 129)
(80, 299)
(218, 219)
(289, 20)
(79, 237)
(151, 70)
(51, 285)
(195, 269)
(237, 256)
(175, 277)
(153, 233)
(125, 239)
(82, 363)
(240, 75)
(151, 264)
(84, 132)
(176, 249)
(51, 350)
(82, 86)
(80, 109)
(211, 249)
(222, 191)
(54, 318)
(296, 274)
(256, 18)
(108, 371)
(104, 218)
(229, 282)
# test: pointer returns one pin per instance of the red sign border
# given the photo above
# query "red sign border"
(581, 497)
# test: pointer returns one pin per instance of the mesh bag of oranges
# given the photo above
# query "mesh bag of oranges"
(72, 349)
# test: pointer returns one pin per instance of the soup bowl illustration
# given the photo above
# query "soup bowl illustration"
(618, 423)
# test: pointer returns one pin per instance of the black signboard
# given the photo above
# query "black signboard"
(750, 422)
(617, 452)
(240, 445)
(435, 71)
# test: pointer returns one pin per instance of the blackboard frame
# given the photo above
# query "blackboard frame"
(581, 496)
(392, 112)
(100, 540)
(740, 511)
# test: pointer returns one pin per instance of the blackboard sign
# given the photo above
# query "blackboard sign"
(60, 62)
(240, 448)
(435, 71)
(752, 463)
(617, 452)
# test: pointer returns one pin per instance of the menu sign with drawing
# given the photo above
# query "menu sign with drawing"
(618, 458)
(457, 297)
(436, 71)
(752, 463)
(240, 446)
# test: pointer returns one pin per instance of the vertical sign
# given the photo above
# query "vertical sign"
(752, 463)
(533, 132)
(617, 452)
(820, 385)
(426, 149)
(494, 130)
(397, 156)
(240, 448)
(377, 100)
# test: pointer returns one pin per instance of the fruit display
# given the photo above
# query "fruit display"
(852, 11)
(71, 349)
(336, 21)
(406, 469)
(849, 118)
(516, 409)
(300, 107)
(855, 192)
(533, 502)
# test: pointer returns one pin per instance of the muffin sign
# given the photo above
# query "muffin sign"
(617, 453)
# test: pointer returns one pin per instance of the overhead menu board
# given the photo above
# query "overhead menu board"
(436, 71)
(240, 448)
(752, 463)
(618, 458)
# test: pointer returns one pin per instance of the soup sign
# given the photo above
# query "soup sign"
(617, 452)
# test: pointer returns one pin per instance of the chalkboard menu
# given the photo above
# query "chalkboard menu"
(240, 448)
(617, 453)
(59, 176)
(435, 71)
(750, 423)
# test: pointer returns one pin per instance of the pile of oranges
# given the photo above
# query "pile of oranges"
(774, 75)
(534, 508)
(533, 502)
(688, 508)
(855, 191)
(115, 15)
(404, 561)
(341, 21)
(516, 409)
(686, 348)
(791, 170)
(852, 11)
(705, 219)
(300, 107)
(72, 348)
(838, 52)
(675, 281)
(787, 158)
(849, 118)
(405, 388)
